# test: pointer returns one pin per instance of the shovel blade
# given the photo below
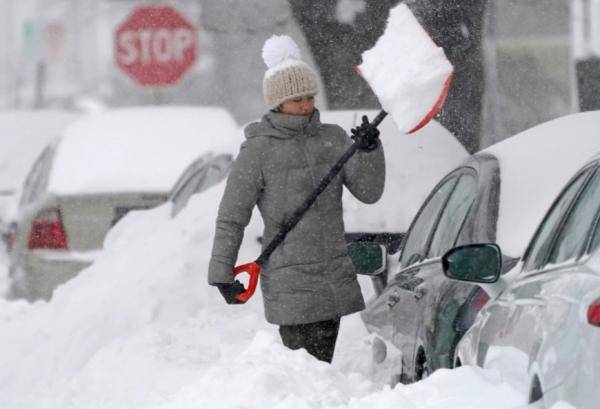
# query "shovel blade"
(407, 71)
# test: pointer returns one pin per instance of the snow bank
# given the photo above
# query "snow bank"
(406, 70)
(535, 165)
(141, 328)
(109, 328)
(266, 375)
(465, 388)
(160, 141)
(414, 164)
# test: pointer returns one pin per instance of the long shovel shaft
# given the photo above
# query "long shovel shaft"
(303, 208)
(380, 117)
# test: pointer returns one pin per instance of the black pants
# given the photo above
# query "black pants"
(318, 338)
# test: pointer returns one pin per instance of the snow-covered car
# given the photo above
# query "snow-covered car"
(541, 327)
(497, 195)
(103, 166)
(23, 136)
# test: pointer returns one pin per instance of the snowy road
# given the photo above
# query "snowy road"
(141, 329)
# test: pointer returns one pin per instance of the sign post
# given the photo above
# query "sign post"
(155, 46)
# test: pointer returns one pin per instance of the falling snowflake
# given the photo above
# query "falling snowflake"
(347, 10)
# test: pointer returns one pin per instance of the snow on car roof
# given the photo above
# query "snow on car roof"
(414, 165)
(23, 135)
(142, 149)
(534, 167)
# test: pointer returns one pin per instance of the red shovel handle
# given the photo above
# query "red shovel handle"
(253, 270)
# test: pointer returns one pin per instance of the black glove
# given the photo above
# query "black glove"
(365, 136)
(230, 290)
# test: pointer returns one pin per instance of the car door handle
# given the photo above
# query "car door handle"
(393, 299)
(415, 287)
(531, 301)
(412, 284)
(419, 292)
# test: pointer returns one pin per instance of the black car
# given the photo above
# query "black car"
(504, 188)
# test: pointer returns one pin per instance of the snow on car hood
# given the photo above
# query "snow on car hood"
(141, 328)
(535, 165)
(414, 164)
(138, 149)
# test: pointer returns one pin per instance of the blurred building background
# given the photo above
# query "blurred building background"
(529, 65)
(518, 62)
(59, 53)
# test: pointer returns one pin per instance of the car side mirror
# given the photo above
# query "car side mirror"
(475, 263)
(368, 258)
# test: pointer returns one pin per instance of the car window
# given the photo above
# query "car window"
(540, 246)
(34, 183)
(203, 178)
(453, 216)
(575, 230)
(213, 175)
(182, 196)
(415, 247)
(595, 242)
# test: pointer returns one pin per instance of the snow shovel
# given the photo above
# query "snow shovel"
(411, 77)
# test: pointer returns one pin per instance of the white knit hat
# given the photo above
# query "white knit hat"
(287, 76)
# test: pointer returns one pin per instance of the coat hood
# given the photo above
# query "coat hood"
(283, 126)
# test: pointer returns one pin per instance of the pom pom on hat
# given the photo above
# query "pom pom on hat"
(278, 49)
(287, 76)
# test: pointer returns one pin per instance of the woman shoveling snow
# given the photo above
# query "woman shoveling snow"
(294, 167)
(308, 283)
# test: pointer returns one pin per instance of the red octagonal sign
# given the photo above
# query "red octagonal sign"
(155, 45)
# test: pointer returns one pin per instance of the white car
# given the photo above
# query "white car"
(541, 327)
(104, 166)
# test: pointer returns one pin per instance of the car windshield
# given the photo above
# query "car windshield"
(416, 242)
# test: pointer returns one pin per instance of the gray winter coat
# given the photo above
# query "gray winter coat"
(309, 277)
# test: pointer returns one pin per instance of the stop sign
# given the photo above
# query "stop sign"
(155, 45)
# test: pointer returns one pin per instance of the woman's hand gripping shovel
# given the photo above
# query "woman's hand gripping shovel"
(389, 67)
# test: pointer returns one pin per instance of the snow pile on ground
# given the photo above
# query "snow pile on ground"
(137, 317)
(406, 70)
(141, 328)
(266, 375)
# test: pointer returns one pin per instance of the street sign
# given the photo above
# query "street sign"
(155, 45)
